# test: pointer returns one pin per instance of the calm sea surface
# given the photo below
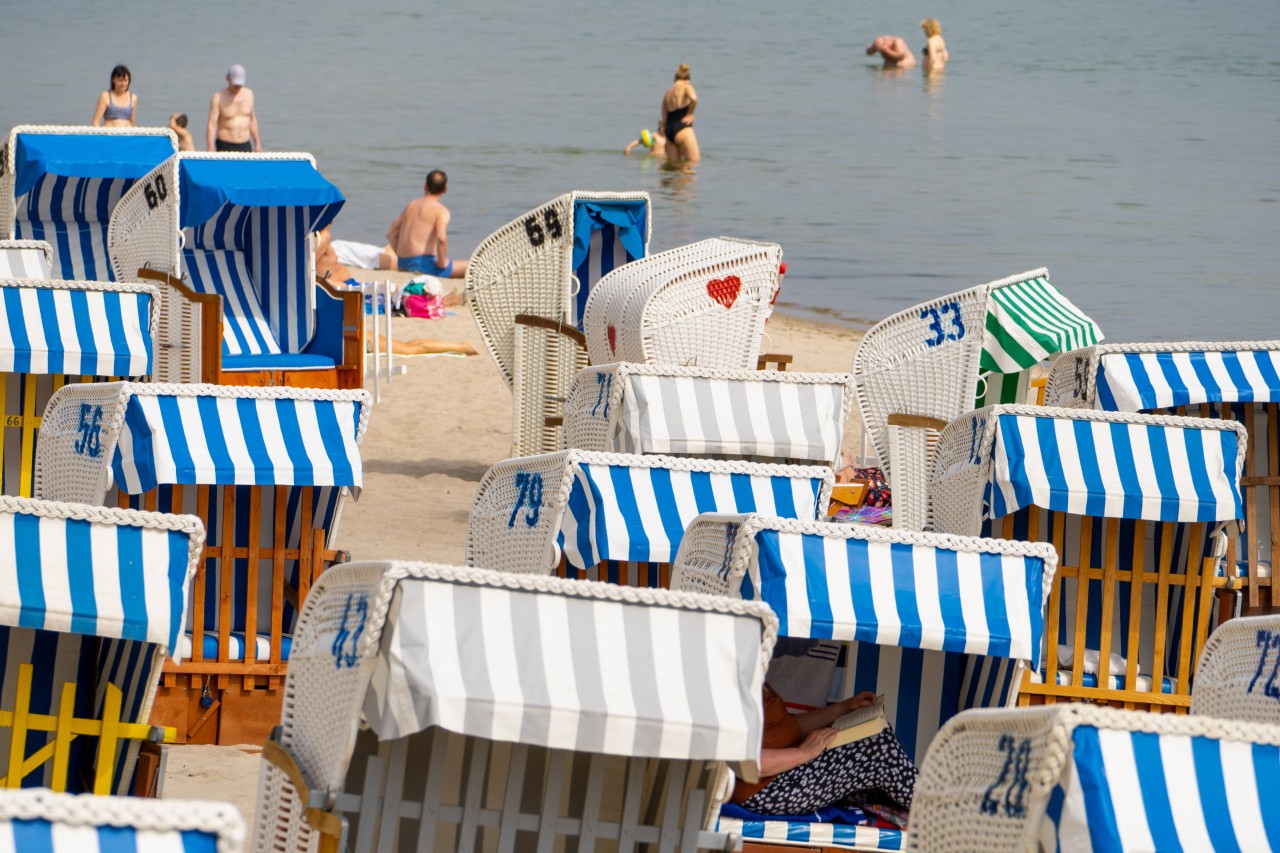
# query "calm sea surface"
(1129, 147)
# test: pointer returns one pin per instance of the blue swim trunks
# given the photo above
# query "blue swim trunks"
(426, 264)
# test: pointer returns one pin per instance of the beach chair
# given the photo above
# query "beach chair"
(752, 415)
(45, 822)
(1134, 503)
(25, 258)
(60, 185)
(528, 284)
(701, 305)
(1238, 381)
(53, 332)
(1238, 677)
(511, 726)
(949, 356)
(1081, 777)
(229, 241)
(619, 517)
(267, 470)
(936, 624)
(92, 605)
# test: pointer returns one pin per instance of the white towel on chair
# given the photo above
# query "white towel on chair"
(364, 255)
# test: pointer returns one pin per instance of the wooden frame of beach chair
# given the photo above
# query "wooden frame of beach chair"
(25, 259)
(210, 255)
(47, 822)
(1129, 502)
(54, 332)
(935, 623)
(752, 415)
(703, 305)
(527, 285)
(91, 169)
(1081, 777)
(1238, 677)
(267, 470)
(619, 517)
(1235, 380)
(600, 763)
(95, 607)
(944, 357)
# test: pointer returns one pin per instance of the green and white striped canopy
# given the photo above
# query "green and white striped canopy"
(1029, 321)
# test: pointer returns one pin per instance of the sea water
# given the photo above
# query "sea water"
(1129, 147)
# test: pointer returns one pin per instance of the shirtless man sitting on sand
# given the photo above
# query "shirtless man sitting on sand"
(233, 125)
(894, 50)
(418, 234)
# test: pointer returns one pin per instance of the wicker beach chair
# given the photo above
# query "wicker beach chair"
(60, 185)
(228, 239)
(25, 259)
(1238, 380)
(528, 284)
(1238, 677)
(619, 517)
(752, 415)
(703, 305)
(948, 356)
(1134, 503)
(92, 606)
(53, 332)
(1080, 777)
(510, 726)
(267, 470)
(45, 822)
(935, 623)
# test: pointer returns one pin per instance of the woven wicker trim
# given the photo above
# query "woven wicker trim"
(64, 284)
(693, 463)
(913, 313)
(79, 129)
(42, 245)
(1189, 346)
(222, 819)
(796, 378)
(242, 155)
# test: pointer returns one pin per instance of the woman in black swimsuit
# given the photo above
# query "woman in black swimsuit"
(678, 105)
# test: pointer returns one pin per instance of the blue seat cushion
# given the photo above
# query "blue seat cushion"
(262, 650)
(277, 361)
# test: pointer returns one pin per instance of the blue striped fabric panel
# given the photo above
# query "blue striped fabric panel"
(42, 836)
(605, 254)
(837, 835)
(1135, 382)
(1115, 470)
(616, 512)
(1144, 791)
(237, 441)
(71, 214)
(225, 273)
(76, 332)
(277, 252)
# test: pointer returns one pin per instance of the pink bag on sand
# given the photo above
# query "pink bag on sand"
(425, 306)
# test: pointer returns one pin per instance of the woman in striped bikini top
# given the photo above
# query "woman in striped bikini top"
(110, 112)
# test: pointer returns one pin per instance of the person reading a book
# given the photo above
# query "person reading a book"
(801, 771)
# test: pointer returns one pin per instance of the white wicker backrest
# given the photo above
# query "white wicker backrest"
(1238, 677)
(1071, 777)
(516, 513)
(756, 415)
(25, 259)
(525, 267)
(703, 304)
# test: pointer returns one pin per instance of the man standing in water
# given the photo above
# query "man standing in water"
(233, 125)
(418, 234)
(894, 50)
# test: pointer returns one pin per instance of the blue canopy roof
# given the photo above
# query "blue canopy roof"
(86, 155)
(206, 185)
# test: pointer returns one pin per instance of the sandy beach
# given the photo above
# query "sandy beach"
(435, 432)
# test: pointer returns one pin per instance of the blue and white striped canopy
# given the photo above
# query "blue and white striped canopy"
(900, 594)
(617, 512)
(1134, 790)
(216, 438)
(1141, 381)
(119, 580)
(206, 185)
(1156, 472)
(43, 836)
(59, 327)
(86, 155)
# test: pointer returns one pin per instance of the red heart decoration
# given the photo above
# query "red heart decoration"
(725, 290)
(613, 339)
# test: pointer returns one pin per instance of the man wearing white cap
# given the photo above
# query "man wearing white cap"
(233, 126)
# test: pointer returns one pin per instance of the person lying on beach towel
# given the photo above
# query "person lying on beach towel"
(332, 267)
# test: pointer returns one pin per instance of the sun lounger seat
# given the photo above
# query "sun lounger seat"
(25, 259)
(1083, 777)
(64, 185)
(1135, 503)
(1236, 380)
(267, 470)
(466, 745)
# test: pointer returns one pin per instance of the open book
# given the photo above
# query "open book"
(859, 724)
